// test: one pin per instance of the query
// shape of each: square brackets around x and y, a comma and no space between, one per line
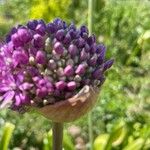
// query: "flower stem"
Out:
[90,26]
[57,136]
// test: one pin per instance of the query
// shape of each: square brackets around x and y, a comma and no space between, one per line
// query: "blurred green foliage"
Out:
[125,137]
[124,26]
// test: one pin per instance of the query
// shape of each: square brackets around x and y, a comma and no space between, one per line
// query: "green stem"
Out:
[90,26]
[57,136]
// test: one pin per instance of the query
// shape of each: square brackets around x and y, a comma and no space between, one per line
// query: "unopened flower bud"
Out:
[60,34]
[51,28]
[69,71]
[93,60]
[58,47]
[108,64]
[101,56]
[97,73]
[32,24]
[67,39]
[72,50]
[42,92]
[84,55]
[61,85]
[16,40]
[24,35]
[40,57]
[38,41]
[80,69]
[71,86]
[40,29]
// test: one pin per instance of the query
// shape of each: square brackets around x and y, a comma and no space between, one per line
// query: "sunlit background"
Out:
[121,118]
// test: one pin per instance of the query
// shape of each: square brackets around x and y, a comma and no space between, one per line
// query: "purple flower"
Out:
[48,61]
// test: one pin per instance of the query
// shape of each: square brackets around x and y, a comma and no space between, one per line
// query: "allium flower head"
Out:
[42,64]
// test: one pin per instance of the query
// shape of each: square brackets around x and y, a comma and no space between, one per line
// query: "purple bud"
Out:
[32,24]
[67,39]
[87,48]
[40,29]
[58,47]
[36,79]
[72,27]
[80,69]
[51,28]
[58,23]
[24,35]
[101,57]
[100,48]
[80,43]
[97,74]
[16,40]
[32,51]
[108,64]
[41,82]
[33,71]
[84,55]
[20,57]
[84,36]
[74,34]
[61,85]
[41,21]
[93,48]
[91,40]
[25,86]
[38,41]
[72,50]
[40,57]
[42,92]
[84,29]
[8,36]
[93,60]
[60,34]
[68,71]
[71,86]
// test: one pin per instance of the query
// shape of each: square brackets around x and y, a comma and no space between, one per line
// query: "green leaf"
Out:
[101,141]
[135,145]
[6,136]
[117,136]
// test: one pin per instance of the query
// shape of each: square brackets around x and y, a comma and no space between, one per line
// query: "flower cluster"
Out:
[43,63]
